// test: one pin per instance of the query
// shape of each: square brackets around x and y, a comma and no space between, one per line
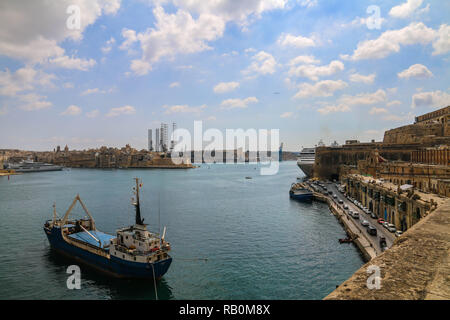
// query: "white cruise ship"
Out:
[305,160]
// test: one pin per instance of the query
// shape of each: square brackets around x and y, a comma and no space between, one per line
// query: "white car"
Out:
[365,223]
[398,233]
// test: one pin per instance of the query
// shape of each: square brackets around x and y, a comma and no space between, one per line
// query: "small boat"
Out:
[248,178]
[346,240]
[301,194]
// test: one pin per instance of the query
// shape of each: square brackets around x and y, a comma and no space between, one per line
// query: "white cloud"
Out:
[24,79]
[32,31]
[140,67]
[130,38]
[90,91]
[356,77]
[303,60]
[358,22]
[241,12]
[308,3]
[405,9]
[224,87]
[108,46]
[127,110]
[333,109]
[376,110]
[72,110]
[32,102]
[174,85]
[391,41]
[364,98]
[431,99]
[286,115]
[314,72]
[177,33]
[73,63]
[238,103]
[415,71]
[295,41]
[408,118]
[323,88]
[442,43]
[394,103]
[263,63]
[183,109]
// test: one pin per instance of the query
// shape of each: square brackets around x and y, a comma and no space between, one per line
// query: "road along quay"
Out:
[369,245]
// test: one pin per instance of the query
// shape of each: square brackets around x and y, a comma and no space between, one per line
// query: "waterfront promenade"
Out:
[368,245]
[416,267]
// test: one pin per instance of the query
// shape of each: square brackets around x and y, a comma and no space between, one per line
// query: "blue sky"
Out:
[313,69]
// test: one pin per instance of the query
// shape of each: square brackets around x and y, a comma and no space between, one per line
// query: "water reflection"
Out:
[114,288]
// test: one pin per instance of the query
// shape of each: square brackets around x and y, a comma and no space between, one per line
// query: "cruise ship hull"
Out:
[110,265]
[307,168]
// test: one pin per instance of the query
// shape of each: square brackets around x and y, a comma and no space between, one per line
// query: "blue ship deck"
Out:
[85,237]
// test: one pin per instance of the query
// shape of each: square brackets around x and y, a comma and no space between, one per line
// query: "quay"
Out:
[367,244]
[403,180]
[4,173]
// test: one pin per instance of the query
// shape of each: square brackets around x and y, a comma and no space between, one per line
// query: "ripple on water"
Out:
[259,244]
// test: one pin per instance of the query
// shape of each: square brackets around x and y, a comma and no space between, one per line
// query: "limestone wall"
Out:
[415,133]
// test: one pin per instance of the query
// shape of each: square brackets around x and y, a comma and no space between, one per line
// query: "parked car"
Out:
[345,207]
[391,227]
[383,242]
[398,233]
[380,220]
[372,215]
[372,230]
[335,196]
[365,223]
[341,201]
[355,215]
[385,224]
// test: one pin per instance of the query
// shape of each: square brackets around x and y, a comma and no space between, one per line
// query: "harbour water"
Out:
[231,237]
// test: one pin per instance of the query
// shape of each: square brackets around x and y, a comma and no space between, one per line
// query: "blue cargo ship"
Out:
[300,194]
[134,252]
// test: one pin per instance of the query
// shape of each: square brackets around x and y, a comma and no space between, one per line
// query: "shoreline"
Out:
[360,239]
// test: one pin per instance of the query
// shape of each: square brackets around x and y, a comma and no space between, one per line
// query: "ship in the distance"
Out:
[31,166]
[306,158]
[134,252]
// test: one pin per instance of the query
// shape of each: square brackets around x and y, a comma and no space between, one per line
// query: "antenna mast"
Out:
[137,205]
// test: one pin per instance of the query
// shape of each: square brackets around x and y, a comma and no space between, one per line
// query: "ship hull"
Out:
[307,168]
[39,169]
[110,265]
[303,197]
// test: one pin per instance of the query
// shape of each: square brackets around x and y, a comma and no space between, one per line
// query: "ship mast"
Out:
[139,220]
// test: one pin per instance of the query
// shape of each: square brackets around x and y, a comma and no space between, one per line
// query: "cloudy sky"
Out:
[314,69]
